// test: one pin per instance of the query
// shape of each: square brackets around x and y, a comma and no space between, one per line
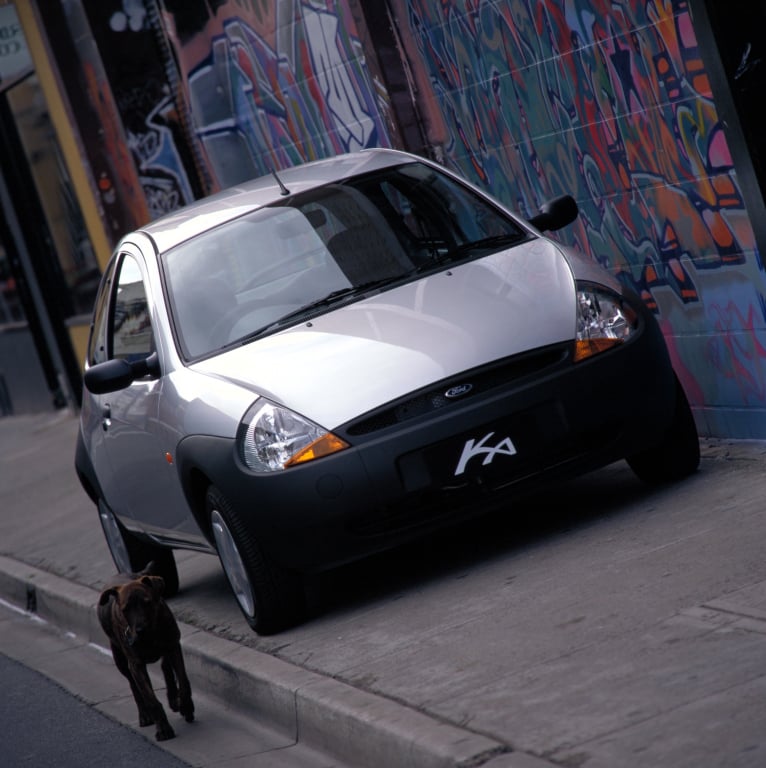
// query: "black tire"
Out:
[132,555]
[677,455]
[271,598]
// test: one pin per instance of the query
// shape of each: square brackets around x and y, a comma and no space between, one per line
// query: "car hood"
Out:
[363,355]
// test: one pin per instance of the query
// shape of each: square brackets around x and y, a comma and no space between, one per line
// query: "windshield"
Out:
[313,251]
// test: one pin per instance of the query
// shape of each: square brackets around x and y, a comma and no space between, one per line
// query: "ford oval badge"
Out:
[458,390]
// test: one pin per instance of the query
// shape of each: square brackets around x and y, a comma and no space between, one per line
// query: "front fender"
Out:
[202,461]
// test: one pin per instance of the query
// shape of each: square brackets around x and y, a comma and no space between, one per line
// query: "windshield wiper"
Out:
[327,300]
[336,295]
[442,257]
[485,243]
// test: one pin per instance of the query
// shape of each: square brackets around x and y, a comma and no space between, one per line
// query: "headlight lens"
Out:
[272,438]
[604,320]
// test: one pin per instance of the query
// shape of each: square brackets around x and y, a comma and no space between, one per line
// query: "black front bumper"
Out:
[414,467]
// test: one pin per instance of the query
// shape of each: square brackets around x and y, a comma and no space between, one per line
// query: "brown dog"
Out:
[142,630]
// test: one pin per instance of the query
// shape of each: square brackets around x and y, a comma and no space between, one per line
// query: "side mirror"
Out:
[555,214]
[119,373]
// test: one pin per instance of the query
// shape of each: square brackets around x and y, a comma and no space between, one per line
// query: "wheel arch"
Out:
[203,460]
[195,489]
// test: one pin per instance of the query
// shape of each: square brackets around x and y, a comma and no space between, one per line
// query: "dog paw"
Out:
[187,710]
[164,733]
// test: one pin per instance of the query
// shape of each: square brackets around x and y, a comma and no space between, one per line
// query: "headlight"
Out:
[272,438]
[604,320]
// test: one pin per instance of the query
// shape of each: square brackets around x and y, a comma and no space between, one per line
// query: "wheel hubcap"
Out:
[232,564]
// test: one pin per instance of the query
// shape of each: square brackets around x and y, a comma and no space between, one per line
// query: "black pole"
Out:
[42,268]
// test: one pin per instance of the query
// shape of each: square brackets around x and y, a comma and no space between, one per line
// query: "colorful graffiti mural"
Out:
[610,101]
[137,74]
[276,84]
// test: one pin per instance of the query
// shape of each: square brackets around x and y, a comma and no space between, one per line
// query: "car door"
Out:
[138,446]
[93,417]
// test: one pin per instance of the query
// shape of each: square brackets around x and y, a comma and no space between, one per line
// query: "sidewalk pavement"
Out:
[53,558]
[53,562]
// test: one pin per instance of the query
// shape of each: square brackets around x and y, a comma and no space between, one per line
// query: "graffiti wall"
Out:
[610,102]
[273,84]
[129,46]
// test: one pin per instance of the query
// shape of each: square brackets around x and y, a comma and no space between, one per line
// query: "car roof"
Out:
[187,222]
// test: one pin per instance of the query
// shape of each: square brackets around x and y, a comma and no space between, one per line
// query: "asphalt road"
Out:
[64,704]
[45,725]
[601,624]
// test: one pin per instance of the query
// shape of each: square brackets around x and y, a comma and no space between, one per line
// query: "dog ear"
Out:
[107,595]
[155,583]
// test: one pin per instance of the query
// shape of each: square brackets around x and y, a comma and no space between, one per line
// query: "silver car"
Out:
[324,363]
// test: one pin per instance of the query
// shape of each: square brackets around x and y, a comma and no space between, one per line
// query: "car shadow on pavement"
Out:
[541,519]
[548,514]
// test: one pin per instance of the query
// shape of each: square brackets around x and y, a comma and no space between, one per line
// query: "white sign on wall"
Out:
[14,54]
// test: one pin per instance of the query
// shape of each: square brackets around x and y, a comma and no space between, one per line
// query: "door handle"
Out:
[106,416]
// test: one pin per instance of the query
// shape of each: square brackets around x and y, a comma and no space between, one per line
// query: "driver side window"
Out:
[132,336]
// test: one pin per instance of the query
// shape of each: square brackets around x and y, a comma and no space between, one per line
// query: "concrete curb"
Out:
[351,725]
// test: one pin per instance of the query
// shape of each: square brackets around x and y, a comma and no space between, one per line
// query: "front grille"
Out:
[442,504]
[482,380]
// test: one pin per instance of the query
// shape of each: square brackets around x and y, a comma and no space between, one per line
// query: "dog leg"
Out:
[151,704]
[121,662]
[174,669]
[170,682]
[144,716]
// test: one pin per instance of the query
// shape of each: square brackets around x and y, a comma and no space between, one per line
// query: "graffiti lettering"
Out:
[257,107]
[9,49]
[10,32]
[530,99]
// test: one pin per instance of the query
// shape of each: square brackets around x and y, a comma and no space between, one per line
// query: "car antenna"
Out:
[285,190]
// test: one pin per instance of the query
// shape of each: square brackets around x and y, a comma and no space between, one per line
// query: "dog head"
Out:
[136,603]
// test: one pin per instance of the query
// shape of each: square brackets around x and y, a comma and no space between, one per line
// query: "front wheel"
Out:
[132,555]
[271,598]
[677,454]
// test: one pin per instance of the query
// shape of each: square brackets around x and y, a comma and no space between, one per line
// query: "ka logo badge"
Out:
[504,447]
